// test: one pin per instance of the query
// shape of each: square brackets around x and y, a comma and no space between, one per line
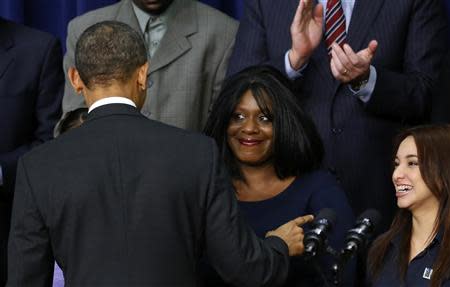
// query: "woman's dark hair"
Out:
[433,151]
[297,147]
[72,119]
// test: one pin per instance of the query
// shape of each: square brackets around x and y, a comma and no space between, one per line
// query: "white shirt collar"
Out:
[111,100]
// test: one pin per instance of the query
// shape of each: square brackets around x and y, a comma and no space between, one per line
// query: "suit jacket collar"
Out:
[364,13]
[125,14]
[112,109]
[6,43]
[175,42]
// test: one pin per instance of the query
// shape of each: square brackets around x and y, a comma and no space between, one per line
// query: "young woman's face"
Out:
[411,191]
[250,132]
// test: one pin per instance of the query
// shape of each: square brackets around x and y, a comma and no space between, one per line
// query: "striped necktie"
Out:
[334,24]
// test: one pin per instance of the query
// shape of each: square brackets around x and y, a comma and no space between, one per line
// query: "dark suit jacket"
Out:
[31,88]
[357,136]
[132,202]
[440,108]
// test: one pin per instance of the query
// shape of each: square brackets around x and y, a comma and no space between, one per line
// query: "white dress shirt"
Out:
[111,100]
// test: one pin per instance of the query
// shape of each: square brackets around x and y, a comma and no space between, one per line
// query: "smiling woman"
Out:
[250,132]
[415,250]
[273,154]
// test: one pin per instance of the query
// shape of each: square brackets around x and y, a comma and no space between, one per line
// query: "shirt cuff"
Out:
[365,93]
[290,72]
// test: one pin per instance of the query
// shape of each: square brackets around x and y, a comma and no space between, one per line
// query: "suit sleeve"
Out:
[251,42]
[406,93]
[30,258]
[71,100]
[440,109]
[232,248]
[47,107]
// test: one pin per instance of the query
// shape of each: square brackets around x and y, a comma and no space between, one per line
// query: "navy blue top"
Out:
[307,194]
[420,269]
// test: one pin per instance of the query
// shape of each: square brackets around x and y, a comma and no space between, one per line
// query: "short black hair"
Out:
[109,51]
[297,147]
[72,119]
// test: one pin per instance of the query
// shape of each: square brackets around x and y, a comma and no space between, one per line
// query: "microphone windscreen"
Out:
[327,214]
[372,215]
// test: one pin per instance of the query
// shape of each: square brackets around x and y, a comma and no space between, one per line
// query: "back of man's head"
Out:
[109,51]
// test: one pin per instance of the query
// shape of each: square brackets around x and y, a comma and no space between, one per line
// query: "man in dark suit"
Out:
[361,93]
[440,108]
[31,89]
[132,201]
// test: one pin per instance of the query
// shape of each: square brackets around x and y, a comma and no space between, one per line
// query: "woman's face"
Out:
[250,132]
[411,191]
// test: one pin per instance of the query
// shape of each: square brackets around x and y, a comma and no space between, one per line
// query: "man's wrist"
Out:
[360,82]
[295,60]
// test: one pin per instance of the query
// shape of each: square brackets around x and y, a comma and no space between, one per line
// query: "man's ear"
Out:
[75,80]
[142,76]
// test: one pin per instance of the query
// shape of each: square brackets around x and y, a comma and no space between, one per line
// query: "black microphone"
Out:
[358,236]
[315,239]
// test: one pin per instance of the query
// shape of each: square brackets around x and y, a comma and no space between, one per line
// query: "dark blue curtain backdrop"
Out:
[53,15]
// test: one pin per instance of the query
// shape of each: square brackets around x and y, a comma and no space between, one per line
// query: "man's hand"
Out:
[348,66]
[306,32]
[292,234]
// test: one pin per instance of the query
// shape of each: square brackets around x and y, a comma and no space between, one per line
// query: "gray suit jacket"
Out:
[186,71]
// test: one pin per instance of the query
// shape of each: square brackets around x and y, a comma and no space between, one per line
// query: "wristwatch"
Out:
[360,82]
[356,86]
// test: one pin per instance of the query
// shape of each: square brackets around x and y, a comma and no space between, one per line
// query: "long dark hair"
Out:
[433,151]
[297,145]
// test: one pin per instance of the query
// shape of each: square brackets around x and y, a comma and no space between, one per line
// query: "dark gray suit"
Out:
[412,39]
[127,201]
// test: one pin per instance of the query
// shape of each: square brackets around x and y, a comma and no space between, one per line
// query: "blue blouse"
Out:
[420,269]
[307,194]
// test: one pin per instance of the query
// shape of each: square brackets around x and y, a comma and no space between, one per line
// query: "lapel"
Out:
[364,13]
[321,60]
[6,43]
[175,42]
[125,14]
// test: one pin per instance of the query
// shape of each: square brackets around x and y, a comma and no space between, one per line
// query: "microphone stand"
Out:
[342,258]
[337,268]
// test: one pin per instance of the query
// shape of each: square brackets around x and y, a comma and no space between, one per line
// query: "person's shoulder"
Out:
[24,34]
[41,153]
[186,137]
[94,16]
[321,178]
